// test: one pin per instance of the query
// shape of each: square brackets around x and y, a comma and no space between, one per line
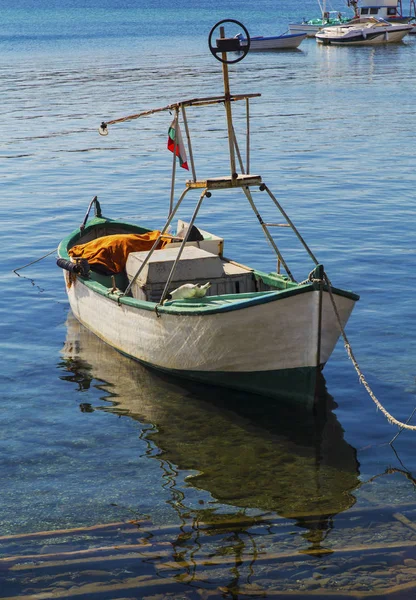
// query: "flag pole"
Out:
[227,103]
[188,138]
[172,185]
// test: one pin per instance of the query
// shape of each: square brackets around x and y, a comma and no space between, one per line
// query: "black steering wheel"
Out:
[229,44]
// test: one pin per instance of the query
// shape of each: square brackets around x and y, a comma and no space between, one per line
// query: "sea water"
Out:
[87,436]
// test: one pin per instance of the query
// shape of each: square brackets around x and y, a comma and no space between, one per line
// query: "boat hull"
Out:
[310,30]
[272,348]
[282,42]
[356,36]
[312,27]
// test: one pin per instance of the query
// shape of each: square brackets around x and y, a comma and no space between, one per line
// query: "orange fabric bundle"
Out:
[109,254]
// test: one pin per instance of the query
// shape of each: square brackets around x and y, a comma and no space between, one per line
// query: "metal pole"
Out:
[302,241]
[153,248]
[227,103]
[182,246]
[248,136]
[237,149]
[175,145]
[247,192]
[188,137]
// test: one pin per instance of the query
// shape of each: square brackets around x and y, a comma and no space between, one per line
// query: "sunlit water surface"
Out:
[87,437]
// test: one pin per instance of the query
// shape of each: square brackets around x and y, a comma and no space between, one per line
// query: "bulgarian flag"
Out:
[175,134]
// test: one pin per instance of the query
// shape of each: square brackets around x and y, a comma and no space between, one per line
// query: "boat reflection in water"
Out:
[248,453]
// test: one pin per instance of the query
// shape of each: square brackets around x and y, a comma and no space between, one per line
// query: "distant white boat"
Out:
[286,41]
[364,32]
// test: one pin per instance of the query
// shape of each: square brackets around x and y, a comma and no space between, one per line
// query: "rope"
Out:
[392,420]
[34,261]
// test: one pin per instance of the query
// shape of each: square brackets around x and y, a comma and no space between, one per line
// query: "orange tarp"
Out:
[109,253]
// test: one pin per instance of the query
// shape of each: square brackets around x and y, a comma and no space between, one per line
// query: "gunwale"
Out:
[192,306]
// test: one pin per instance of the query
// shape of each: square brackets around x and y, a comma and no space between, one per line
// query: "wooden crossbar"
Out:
[184,103]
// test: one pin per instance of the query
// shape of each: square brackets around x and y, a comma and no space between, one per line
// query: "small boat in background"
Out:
[327,19]
[364,32]
[390,10]
[285,41]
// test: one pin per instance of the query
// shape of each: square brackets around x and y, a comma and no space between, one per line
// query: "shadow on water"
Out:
[247,452]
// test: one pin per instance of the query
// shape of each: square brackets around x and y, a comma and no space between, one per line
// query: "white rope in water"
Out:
[392,420]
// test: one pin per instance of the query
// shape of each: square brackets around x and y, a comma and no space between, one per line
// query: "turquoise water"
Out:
[86,436]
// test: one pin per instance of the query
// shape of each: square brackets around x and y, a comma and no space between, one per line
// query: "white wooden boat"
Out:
[364,32]
[255,331]
[286,41]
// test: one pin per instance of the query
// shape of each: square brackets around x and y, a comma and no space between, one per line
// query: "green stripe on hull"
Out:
[290,386]
[287,385]
[281,286]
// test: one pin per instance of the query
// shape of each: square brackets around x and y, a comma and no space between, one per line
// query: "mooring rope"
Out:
[392,420]
[34,261]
